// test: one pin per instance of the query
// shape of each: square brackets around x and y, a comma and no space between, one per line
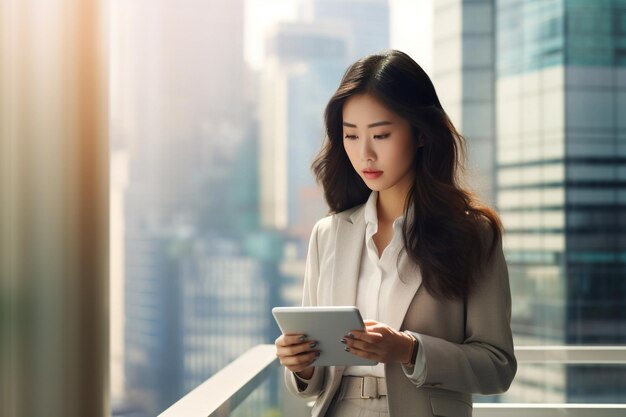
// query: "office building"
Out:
[365,21]
[178,105]
[463,75]
[304,64]
[557,174]
[561,145]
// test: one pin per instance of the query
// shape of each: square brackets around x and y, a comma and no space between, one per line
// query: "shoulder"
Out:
[485,222]
[327,226]
[351,215]
[489,232]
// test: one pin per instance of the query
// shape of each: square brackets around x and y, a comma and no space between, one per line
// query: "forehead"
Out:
[365,107]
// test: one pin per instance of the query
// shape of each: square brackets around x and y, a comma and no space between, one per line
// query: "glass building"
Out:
[367,22]
[176,111]
[224,307]
[151,325]
[304,63]
[561,143]
[538,89]
[463,75]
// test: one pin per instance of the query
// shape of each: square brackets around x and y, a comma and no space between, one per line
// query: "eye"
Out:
[350,137]
[384,136]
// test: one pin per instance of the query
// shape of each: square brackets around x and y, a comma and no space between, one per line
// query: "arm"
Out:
[485,362]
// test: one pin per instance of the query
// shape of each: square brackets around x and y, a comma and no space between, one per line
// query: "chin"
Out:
[375,187]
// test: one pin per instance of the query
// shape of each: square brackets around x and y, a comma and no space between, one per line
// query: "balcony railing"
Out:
[222,393]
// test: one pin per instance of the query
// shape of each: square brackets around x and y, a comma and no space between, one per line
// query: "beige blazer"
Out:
[467,345]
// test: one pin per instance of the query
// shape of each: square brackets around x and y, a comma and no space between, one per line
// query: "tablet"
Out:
[326,325]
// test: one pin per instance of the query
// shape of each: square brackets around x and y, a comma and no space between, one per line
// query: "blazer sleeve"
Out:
[295,385]
[485,362]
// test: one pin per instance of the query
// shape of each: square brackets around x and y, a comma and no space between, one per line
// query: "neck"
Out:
[390,204]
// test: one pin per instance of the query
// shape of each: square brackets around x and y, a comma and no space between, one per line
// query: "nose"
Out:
[367,152]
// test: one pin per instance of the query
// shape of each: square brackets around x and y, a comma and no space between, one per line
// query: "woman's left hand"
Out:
[380,342]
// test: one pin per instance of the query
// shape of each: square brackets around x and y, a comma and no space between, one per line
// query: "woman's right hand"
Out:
[297,354]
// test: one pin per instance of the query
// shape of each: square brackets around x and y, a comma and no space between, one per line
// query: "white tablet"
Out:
[326,325]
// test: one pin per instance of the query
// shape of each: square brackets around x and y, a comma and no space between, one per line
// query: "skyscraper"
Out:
[365,21]
[560,176]
[179,106]
[558,169]
[464,65]
[303,66]
[224,309]
[306,60]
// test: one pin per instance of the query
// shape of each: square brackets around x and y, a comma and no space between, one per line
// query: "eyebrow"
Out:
[383,123]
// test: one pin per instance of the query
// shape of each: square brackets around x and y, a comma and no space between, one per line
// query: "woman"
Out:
[415,252]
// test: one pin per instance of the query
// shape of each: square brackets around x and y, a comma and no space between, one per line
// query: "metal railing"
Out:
[222,393]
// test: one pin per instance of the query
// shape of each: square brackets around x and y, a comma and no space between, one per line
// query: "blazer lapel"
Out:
[332,385]
[350,237]
[403,290]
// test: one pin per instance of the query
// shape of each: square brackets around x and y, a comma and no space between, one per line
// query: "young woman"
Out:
[414,251]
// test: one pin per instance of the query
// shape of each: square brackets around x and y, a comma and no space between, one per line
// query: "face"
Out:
[379,144]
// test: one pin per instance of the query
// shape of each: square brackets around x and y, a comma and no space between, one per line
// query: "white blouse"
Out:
[376,276]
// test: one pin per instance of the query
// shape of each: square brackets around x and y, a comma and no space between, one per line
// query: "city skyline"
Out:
[225,168]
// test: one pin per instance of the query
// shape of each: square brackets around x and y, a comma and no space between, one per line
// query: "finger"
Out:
[362,353]
[303,359]
[291,350]
[291,339]
[376,327]
[370,337]
[362,345]
[370,322]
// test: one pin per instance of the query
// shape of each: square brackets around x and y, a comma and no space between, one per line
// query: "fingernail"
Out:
[343,340]
[317,353]
[347,349]
[302,338]
[350,335]
[312,345]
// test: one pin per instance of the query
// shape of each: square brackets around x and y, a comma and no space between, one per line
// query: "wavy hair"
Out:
[444,228]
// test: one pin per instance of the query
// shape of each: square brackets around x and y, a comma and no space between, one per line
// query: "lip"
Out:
[372,174]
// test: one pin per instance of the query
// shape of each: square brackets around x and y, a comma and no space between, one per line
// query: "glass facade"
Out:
[304,63]
[463,76]
[367,21]
[560,155]
[596,33]
[531,35]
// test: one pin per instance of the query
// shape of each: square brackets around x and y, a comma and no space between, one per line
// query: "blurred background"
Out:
[216,114]
[162,150]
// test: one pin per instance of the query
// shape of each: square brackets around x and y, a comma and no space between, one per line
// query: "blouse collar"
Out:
[371,212]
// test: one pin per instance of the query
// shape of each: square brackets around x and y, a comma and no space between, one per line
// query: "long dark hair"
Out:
[445,225]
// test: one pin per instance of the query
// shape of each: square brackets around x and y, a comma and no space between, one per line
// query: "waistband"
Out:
[363,387]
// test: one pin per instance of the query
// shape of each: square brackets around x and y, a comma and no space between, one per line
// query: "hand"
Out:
[380,342]
[297,353]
